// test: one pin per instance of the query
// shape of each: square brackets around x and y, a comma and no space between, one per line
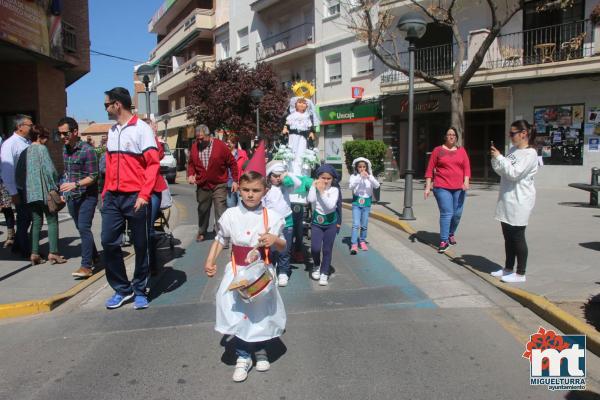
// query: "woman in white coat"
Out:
[516,198]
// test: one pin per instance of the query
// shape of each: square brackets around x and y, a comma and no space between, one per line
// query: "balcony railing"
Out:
[283,42]
[69,38]
[192,64]
[549,44]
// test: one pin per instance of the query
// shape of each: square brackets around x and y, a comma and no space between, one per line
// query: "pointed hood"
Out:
[257,163]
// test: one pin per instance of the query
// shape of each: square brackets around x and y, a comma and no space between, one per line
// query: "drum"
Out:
[252,281]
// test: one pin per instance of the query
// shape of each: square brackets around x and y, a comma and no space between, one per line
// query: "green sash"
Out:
[289,221]
[327,219]
[361,201]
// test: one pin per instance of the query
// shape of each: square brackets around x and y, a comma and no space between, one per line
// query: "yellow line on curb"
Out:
[540,305]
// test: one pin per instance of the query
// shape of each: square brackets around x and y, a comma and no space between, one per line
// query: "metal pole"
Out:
[147,101]
[407,213]
[257,124]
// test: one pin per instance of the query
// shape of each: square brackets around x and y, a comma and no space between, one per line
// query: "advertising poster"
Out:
[578,116]
[565,117]
[333,144]
[593,118]
[589,129]
[594,145]
[560,131]
[25,24]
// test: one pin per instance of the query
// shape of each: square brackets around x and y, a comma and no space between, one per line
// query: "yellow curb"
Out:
[540,305]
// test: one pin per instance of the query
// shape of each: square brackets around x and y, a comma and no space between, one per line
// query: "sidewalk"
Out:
[563,238]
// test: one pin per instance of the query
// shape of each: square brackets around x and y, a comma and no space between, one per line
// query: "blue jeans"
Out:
[450,202]
[282,259]
[155,209]
[82,211]
[298,231]
[118,208]
[232,198]
[360,220]
[245,349]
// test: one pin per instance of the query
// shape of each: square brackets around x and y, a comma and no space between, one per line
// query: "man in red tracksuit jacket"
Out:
[132,166]
[208,165]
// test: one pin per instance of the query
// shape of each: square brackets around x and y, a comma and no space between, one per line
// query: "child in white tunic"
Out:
[300,125]
[247,226]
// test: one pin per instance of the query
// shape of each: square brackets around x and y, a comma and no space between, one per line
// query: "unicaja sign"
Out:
[556,361]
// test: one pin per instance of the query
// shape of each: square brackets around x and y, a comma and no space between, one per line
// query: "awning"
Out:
[350,113]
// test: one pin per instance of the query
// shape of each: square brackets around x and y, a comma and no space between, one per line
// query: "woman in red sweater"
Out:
[450,171]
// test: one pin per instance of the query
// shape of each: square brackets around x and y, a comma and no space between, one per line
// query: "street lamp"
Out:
[257,96]
[413,26]
[145,73]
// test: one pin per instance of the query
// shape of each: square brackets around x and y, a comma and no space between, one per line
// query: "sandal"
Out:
[56,259]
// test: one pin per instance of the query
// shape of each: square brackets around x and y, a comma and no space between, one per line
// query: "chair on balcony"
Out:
[573,45]
[511,57]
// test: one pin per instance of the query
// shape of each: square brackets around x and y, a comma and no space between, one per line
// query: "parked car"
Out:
[168,165]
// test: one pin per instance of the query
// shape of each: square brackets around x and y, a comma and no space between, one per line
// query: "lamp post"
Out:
[145,73]
[413,26]
[257,96]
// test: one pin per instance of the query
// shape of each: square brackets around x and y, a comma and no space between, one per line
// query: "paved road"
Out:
[394,323]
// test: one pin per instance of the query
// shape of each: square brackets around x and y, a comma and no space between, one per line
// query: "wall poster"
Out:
[560,133]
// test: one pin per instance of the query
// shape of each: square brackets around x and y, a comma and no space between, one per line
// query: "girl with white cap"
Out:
[362,183]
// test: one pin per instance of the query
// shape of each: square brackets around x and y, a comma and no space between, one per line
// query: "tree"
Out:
[220,98]
[377,28]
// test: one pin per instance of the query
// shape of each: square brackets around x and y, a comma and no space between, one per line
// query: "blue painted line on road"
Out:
[373,269]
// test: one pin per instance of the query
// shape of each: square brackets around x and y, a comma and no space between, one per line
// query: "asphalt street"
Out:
[396,322]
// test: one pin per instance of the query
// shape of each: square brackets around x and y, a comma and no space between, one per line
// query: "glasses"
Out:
[513,133]
[29,125]
[65,134]
[106,105]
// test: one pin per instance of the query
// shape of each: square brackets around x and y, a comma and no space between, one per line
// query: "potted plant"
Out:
[595,19]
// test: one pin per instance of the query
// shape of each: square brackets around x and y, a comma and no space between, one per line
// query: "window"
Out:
[182,102]
[242,39]
[334,68]
[173,105]
[363,61]
[225,49]
[332,7]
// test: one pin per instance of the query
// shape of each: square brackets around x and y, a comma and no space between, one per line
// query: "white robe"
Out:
[265,317]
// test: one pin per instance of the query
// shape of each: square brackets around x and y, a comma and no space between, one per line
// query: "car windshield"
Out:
[167,149]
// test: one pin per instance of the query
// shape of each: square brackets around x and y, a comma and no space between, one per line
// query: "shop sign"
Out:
[357,92]
[350,113]
[432,104]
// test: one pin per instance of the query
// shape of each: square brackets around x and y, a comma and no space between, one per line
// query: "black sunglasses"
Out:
[106,105]
[67,133]
[513,133]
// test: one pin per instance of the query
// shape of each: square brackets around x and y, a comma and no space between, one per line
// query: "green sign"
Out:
[351,113]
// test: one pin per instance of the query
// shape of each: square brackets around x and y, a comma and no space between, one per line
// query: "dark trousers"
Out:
[22,243]
[155,209]
[9,217]
[82,211]
[515,247]
[282,258]
[298,231]
[206,198]
[118,208]
[322,238]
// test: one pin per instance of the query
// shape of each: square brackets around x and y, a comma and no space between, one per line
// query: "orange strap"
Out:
[266,225]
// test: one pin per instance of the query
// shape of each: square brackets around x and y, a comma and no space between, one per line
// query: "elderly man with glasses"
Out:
[80,189]
[9,155]
[209,165]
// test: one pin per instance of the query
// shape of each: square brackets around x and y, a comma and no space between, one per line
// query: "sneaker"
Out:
[242,366]
[451,240]
[353,249]
[82,272]
[316,274]
[140,302]
[282,280]
[513,278]
[324,280]
[363,246]
[443,247]
[263,365]
[501,272]
[117,300]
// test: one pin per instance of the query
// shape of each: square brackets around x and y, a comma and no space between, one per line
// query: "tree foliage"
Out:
[220,98]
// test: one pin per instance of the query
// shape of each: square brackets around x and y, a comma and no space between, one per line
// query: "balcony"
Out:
[174,119]
[260,5]
[178,78]
[200,23]
[294,42]
[541,52]
[69,38]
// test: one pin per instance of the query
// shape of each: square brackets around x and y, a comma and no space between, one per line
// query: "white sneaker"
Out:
[513,278]
[316,274]
[323,280]
[282,280]
[501,272]
[262,365]
[242,367]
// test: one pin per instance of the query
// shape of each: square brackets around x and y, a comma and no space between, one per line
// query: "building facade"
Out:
[44,48]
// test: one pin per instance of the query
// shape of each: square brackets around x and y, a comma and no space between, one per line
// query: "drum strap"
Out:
[266,249]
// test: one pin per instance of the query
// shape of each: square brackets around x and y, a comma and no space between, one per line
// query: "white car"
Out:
[168,165]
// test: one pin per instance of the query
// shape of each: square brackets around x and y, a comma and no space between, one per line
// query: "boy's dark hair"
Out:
[69,121]
[253,176]
[121,95]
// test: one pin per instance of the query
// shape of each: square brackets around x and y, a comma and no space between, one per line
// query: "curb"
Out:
[536,303]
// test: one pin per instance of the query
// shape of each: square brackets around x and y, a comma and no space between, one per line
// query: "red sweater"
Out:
[160,180]
[448,168]
[221,160]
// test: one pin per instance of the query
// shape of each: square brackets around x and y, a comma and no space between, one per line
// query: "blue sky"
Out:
[118,27]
